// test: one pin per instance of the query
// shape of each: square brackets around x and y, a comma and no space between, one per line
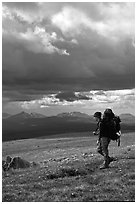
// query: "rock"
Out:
[18,162]
[8,159]
[4,165]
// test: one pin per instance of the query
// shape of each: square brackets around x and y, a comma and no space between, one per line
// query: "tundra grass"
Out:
[71,173]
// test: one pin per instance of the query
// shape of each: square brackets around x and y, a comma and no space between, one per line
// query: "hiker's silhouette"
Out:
[108,128]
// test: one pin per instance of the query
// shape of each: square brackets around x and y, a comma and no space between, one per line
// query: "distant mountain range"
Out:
[5,115]
[74,114]
[28,125]
[24,115]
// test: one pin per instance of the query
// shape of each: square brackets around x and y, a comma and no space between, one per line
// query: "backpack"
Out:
[112,124]
[117,122]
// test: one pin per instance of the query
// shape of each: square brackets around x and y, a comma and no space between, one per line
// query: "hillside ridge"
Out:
[26,115]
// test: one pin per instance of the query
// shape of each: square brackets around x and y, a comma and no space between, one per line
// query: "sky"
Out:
[64,57]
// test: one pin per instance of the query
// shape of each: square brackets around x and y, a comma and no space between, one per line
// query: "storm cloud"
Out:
[66,48]
[71,96]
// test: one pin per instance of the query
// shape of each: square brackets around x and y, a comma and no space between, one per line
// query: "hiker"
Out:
[97,116]
[105,134]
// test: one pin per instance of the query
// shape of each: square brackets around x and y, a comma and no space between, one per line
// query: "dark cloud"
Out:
[71,96]
[21,95]
[94,62]
[31,6]
[83,70]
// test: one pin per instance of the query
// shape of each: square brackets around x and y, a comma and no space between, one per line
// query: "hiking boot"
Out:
[105,165]
[111,159]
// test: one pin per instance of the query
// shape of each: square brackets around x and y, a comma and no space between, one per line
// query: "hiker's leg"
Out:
[104,143]
[99,148]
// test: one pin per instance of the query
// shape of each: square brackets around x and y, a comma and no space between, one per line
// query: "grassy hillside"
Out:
[68,170]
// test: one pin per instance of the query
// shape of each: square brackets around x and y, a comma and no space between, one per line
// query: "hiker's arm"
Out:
[96,132]
[101,130]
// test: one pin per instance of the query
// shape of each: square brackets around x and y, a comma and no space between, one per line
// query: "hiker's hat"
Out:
[97,114]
